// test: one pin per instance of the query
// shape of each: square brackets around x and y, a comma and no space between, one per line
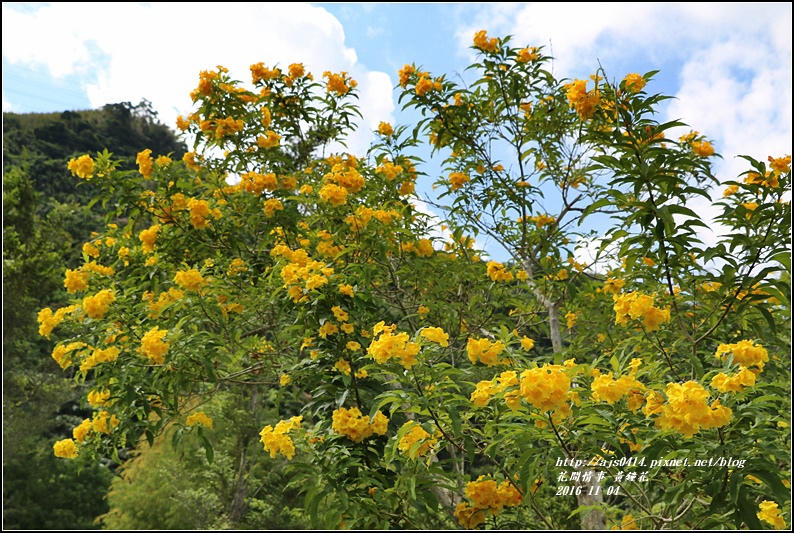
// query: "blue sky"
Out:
[728,65]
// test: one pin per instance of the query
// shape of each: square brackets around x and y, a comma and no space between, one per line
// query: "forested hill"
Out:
[46,219]
[46,141]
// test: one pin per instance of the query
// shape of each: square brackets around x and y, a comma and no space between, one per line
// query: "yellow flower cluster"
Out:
[613,286]
[82,167]
[636,305]
[96,268]
[385,129]
[357,427]
[735,383]
[200,418]
[628,522]
[546,388]
[745,353]
[65,448]
[333,194]
[340,83]
[485,351]
[485,390]
[497,272]
[164,299]
[148,238]
[342,366]
[98,398]
[687,410]
[90,249]
[389,170]
[107,355]
[527,343]
[256,183]
[770,513]
[606,388]
[436,335]
[301,272]
[781,165]
[200,212]
[485,44]
[97,305]
[49,320]
[425,84]
[153,346]
[543,220]
[458,180]
[272,205]
[416,442]
[633,82]
[81,432]
[525,55]
[61,353]
[104,422]
[405,74]
[585,103]
[277,440]
[145,163]
[389,345]
[487,498]
[190,280]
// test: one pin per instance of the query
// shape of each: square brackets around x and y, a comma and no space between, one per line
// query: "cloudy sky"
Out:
[727,64]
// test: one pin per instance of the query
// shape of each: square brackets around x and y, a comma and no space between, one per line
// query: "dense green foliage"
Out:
[46,218]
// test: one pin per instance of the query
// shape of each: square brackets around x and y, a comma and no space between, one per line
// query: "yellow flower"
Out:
[103,422]
[190,280]
[745,353]
[469,517]
[457,180]
[96,306]
[436,335]
[90,249]
[385,129]
[200,418]
[633,82]
[770,513]
[82,167]
[405,74]
[333,194]
[343,366]
[702,148]
[277,440]
[148,237]
[65,448]
[284,380]
[153,346]
[482,42]
[75,281]
[81,431]
[485,351]
[145,163]
[416,442]
[496,271]
[357,427]
[424,248]
[525,55]
[614,286]
[570,318]
[98,398]
[527,343]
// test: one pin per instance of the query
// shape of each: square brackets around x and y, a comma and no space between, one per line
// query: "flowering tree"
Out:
[265,264]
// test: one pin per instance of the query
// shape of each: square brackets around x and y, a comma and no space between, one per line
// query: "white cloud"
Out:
[6,104]
[131,51]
